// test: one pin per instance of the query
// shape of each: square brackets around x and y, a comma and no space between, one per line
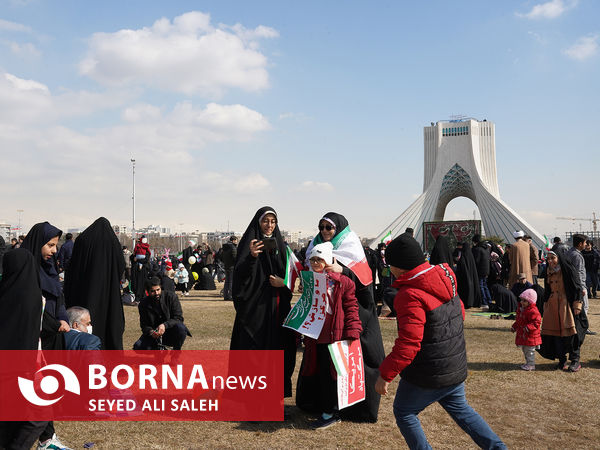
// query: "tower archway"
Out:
[460,161]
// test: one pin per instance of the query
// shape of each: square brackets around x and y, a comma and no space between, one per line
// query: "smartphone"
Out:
[269,243]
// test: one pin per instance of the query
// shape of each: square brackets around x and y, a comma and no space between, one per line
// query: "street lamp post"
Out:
[133,201]
[20,211]
[181,237]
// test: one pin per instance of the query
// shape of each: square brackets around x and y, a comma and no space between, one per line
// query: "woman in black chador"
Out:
[467,281]
[41,241]
[350,260]
[441,252]
[20,319]
[93,281]
[260,297]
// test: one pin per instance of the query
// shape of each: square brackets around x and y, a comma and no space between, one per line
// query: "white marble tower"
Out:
[460,161]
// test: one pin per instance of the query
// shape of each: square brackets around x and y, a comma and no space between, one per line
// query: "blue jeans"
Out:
[486,297]
[411,400]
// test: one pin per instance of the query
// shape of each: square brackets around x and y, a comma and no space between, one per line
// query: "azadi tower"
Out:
[460,161]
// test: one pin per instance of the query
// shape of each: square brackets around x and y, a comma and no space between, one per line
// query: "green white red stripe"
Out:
[348,250]
[292,268]
[387,238]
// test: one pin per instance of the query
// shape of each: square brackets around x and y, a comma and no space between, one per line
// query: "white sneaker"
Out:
[52,444]
[187,294]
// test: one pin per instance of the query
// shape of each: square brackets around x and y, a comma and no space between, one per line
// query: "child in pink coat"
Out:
[527,327]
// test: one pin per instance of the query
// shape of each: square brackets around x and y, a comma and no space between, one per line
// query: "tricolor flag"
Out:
[387,238]
[292,269]
[348,250]
[547,243]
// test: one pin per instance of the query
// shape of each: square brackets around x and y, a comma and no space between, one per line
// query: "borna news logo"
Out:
[49,385]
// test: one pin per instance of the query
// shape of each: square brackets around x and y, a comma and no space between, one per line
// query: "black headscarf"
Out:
[93,279]
[441,252]
[20,302]
[36,238]
[340,221]
[466,278]
[275,263]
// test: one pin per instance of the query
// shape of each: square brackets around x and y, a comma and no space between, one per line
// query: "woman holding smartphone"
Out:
[260,296]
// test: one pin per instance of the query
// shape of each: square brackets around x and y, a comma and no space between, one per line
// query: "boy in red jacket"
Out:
[429,353]
[527,327]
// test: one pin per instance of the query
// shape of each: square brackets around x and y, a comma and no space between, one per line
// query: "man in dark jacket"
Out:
[65,252]
[161,318]
[228,257]
[429,353]
[481,254]
[591,258]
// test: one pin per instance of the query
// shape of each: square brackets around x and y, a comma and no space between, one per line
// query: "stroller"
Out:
[220,271]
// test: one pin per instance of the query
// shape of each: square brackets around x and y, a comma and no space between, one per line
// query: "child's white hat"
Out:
[323,251]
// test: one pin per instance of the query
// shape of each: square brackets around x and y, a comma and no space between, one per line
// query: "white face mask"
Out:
[89,329]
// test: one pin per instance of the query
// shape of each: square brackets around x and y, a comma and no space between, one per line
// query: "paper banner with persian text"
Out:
[308,314]
[348,360]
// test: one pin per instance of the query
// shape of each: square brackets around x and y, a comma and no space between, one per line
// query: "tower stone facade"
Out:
[460,161]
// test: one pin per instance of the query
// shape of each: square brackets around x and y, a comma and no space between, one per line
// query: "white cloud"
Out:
[584,48]
[29,101]
[250,183]
[21,84]
[141,112]
[549,10]
[315,186]
[186,55]
[6,25]
[91,166]
[26,49]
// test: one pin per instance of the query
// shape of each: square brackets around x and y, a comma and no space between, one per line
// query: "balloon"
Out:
[192,260]
[195,275]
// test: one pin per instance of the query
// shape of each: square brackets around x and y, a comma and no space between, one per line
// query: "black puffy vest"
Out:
[442,360]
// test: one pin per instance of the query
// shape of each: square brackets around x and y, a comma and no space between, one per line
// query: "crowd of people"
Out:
[55,294]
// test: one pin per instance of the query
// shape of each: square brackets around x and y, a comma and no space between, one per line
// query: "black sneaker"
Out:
[590,332]
[562,365]
[321,424]
[574,366]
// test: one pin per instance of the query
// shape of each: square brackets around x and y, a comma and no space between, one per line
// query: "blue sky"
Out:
[306,106]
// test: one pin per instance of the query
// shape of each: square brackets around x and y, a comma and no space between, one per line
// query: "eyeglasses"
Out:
[326,227]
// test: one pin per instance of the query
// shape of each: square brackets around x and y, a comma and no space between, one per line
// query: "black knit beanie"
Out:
[404,252]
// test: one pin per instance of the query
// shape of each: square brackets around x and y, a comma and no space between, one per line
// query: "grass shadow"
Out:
[505,330]
[497,366]
[299,421]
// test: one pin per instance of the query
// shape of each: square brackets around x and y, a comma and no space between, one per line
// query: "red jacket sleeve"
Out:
[352,323]
[411,323]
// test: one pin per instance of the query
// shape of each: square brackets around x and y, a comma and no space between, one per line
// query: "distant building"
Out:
[5,231]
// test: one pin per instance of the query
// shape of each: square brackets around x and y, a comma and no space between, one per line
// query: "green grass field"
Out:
[529,410]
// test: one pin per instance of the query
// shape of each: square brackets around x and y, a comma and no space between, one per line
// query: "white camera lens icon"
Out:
[49,385]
